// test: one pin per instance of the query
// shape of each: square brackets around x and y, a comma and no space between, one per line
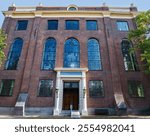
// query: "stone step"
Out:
[75,114]
[66,113]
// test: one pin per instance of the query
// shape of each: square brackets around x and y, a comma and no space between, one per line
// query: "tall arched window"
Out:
[72,53]
[14,54]
[129,58]
[49,54]
[94,60]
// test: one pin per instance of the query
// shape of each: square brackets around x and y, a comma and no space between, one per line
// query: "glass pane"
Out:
[49,54]
[52,24]
[72,25]
[94,55]
[129,57]
[45,88]
[94,61]
[135,89]
[71,85]
[67,85]
[72,8]
[96,89]
[47,65]
[22,25]
[72,53]
[91,25]
[94,65]
[7,86]
[14,54]
[75,85]
[122,26]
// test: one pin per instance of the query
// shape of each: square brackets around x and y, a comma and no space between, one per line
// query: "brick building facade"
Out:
[89,67]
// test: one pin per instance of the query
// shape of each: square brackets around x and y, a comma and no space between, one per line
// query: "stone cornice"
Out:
[65,13]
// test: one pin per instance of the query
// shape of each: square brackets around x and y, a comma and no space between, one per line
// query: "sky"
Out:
[142,5]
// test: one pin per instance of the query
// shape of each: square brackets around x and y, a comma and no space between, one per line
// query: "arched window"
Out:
[129,58]
[72,8]
[94,60]
[14,54]
[72,53]
[49,54]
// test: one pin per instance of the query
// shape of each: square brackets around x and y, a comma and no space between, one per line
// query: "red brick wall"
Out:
[130,75]
[29,71]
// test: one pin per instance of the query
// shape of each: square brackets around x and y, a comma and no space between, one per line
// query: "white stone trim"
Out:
[60,79]
[63,13]
[71,69]
[115,17]
[25,8]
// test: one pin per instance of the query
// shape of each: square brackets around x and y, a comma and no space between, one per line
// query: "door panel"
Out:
[71,96]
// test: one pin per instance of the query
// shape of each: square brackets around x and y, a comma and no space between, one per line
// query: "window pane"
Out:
[45,88]
[91,25]
[94,61]
[6,87]
[72,8]
[49,54]
[71,85]
[14,54]
[52,24]
[48,65]
[72,25]
[72,53]
[135,89]
[129,57]
[122,26]
[96,89]
[94,65]
[22,25]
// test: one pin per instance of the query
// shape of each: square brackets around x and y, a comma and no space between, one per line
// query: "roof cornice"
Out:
[111,14]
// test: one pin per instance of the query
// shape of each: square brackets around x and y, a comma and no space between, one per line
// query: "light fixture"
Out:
[56,90]
[84,92]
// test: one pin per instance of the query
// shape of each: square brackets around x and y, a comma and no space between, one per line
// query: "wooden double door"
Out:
[71,96]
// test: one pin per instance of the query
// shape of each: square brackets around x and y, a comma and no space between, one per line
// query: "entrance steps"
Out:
[66,113]
[75,114]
